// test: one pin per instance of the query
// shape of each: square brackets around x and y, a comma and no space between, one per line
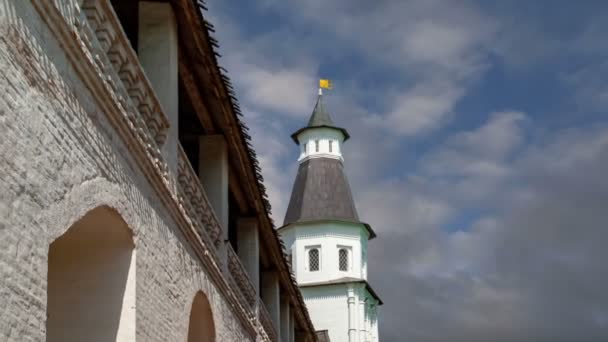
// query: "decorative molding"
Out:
[266,324]
[125,63]
[315,235]
[193,200]
[323,297]
[240,278]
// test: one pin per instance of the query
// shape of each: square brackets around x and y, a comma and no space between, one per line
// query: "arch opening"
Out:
[201,327]
[91,281]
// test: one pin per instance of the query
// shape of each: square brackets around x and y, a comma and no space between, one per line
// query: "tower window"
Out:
[313,260]
[305,148]
[331,146]
[343,259]
[316,145]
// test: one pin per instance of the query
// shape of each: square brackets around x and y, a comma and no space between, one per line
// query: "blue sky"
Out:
[479,150]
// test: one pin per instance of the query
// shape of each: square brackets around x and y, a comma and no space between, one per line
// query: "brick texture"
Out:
[59,159]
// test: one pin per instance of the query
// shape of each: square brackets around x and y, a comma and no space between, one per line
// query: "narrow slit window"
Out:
[316,145]
[331,146]
[313,260]
[343,259]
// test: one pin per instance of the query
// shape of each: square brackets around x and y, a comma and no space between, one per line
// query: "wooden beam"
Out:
[237,192]
[193,92]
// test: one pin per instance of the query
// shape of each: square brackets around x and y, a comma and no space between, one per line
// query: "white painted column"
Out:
[352,315]
[285,316]
[158,54]
[271,297]
[249,249]
[213,173]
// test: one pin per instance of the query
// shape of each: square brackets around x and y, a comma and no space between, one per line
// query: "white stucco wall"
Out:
[329,237]
[308,138]
[328,308]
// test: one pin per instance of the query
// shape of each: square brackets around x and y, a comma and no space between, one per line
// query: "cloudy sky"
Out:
[479,150]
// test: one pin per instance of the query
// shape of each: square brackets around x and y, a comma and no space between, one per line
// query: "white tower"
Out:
[325,238]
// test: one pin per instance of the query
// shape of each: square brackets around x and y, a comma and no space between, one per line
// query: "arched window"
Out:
[316,145]
[331,146]
[313,260]
[343,259]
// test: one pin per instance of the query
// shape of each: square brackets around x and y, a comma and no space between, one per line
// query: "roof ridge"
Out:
[320,116]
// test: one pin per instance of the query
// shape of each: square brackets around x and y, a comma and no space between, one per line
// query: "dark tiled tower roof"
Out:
[319,118]
[321,192]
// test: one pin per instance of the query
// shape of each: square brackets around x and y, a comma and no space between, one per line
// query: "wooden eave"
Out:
[210,89]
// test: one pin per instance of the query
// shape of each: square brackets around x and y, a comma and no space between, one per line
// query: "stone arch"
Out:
[58,217]
[201,327]
[91,280]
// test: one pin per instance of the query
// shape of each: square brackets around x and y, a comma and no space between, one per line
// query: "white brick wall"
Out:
[60,158]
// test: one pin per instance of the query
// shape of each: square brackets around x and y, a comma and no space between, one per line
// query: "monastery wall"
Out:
[62,158]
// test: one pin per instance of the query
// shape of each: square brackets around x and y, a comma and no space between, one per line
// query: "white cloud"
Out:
[440,53]
[421,109]
[284,91]
[483,151]
[532,271]
[269,73]
[589,85]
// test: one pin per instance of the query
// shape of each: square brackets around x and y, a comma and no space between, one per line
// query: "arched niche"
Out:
[91,281]
[201,327]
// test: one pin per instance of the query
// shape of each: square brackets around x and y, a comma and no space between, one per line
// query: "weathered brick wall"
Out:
[59,158]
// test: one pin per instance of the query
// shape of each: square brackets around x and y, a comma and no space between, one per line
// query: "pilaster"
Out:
[362,327]
[352,314]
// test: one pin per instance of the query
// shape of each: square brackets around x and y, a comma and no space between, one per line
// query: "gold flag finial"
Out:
[325,84]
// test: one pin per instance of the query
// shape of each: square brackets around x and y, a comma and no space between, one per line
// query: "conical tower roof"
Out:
[319,118]
[321,190]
